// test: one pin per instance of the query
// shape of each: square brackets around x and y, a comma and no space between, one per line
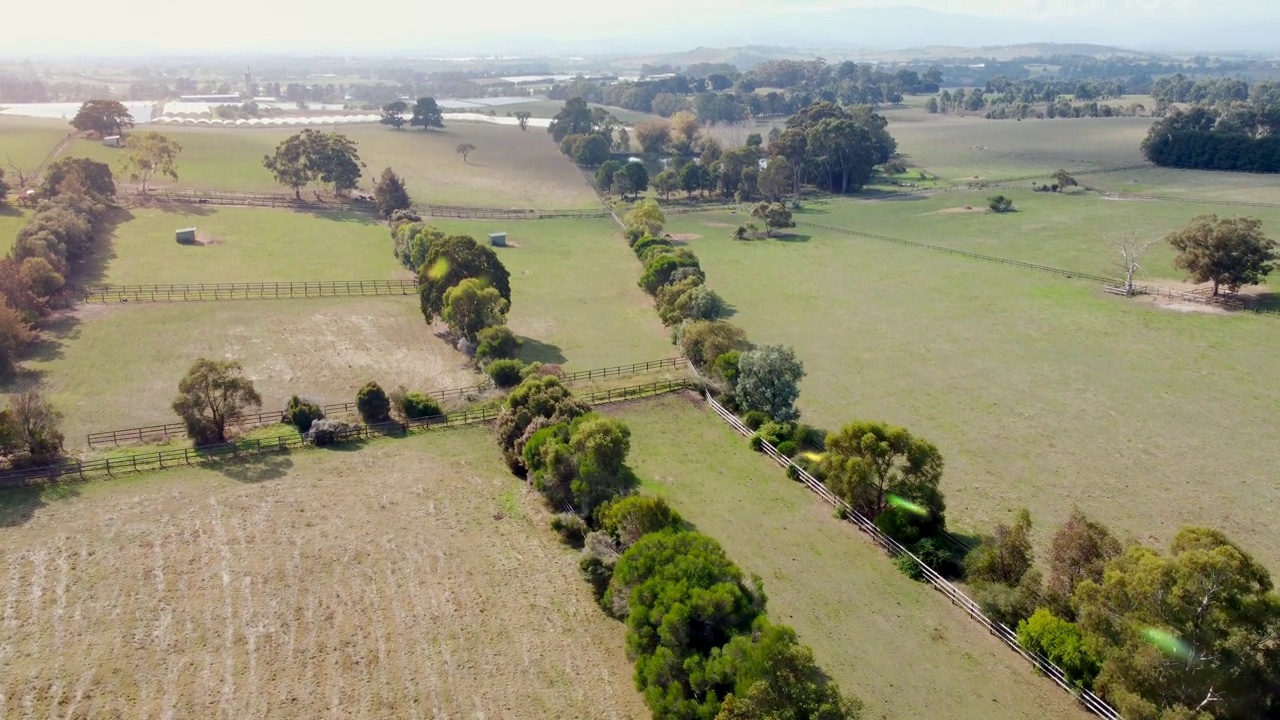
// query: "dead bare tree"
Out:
[24,178]
[1131,251]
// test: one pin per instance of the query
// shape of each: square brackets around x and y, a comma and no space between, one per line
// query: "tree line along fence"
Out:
[288,290]
[962,253]
[1087,699]
[167,431]
[107,468]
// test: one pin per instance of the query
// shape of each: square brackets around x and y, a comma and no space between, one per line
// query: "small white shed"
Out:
[498,239]
[114,141]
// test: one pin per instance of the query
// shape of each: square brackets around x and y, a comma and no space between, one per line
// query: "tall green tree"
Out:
[1079,551]
[289,163]
[573,119]
[844,151]
[471,306]
[426,114]
[389,193]
[776,179]
[1005,557]
[393,113]
[83,174]
[635,177]
[1230,252]
[523,117]
[450,261]
[865,462]
[1191,634]
[211,396]
[769,381]
[150,153]
[774,215]
[102,117]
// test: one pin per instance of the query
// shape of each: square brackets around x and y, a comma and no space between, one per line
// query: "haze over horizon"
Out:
[563,27]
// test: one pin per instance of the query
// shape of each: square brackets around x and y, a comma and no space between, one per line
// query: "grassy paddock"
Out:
[961,149]
[12,219]
[1075,231]
[509,168]
[894,642]
[249,245]
[27,141]
[118,366]
[574,293]
[1040,392]
[416,579]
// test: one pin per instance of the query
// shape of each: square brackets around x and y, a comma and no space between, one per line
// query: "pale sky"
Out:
[136,26]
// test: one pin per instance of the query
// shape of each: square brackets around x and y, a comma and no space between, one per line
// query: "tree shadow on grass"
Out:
[18,505]
[255,468]
[537,351]
[55,331]
[342,216]
[7,210]
[183,209]
[792,237]
[1268,301]
[727,312]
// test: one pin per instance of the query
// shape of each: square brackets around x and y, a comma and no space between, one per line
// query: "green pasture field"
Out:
[509,168]
[411,577]
[573,292]
[1074,231]
[892,641]
[1040,391]
[245,244]
[965,149]
[27,141]
[118,366]
[12,219]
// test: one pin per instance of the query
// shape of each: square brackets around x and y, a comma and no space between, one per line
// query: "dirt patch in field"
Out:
[1187,307]
[720,224]
[374,583]
[964,209]
[683,237]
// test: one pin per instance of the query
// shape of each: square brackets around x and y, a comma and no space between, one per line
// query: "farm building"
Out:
[498,239]
[114,141]
[185,236]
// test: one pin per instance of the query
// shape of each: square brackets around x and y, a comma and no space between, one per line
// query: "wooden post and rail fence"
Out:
[166,431]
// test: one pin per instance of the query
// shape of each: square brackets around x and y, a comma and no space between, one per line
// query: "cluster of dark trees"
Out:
[1036,98]
[426,114]
[587,135]
[30,432]
[461,282]
[1242,137]
[60,238]
[316,157]
[1178,88]
[696,628]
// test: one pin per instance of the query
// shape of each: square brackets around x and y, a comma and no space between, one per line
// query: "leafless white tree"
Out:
[1131,251]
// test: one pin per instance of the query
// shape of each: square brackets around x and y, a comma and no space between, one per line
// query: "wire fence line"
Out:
[286,290]
[107,468]
[963,253]
[1090,701]
[166,431]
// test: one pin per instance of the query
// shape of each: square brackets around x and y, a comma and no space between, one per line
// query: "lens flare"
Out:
[906,505]
[1167,643]
[812,456]
[438,269]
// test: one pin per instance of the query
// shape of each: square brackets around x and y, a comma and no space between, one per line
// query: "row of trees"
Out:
[312,156]
[462,282]
[214,396]
[697,631]
[60,238]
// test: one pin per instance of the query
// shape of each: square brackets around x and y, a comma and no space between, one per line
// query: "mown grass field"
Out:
[509,168]
[413,578]
[118,366]
[889,640]
[244,244]
[26,141]
[1040,391]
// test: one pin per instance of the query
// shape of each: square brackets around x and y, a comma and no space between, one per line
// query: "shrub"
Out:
[897,524]
[909,567]
[373,404]
[1009,604]
[768,380]
[497,343]
[1000,204]
[754,419]
[705,340]
[787,447]
[658,270]
[329,432]
[302,413]
[756,442]
[505,373]
[633,233]
[776,432]
[1062,642]
[704,304]
[630,518]
[646,242]
[597,573]
[572,528]
[14,337]
[416,406]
